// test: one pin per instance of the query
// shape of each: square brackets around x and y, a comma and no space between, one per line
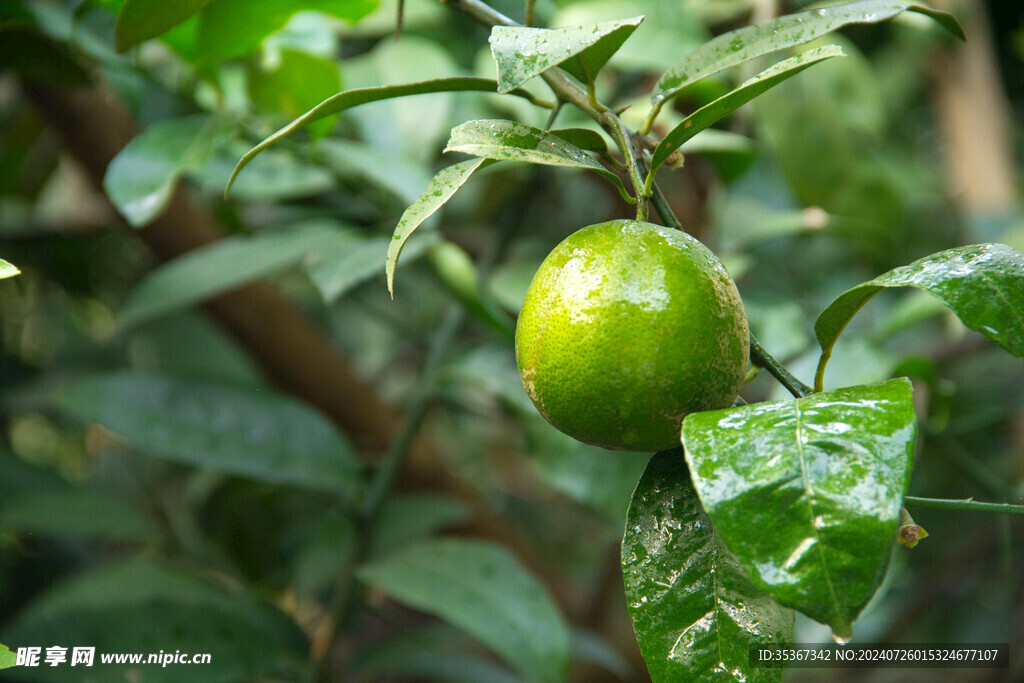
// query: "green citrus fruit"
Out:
[626,328]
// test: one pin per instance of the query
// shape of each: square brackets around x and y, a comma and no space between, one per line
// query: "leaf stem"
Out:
[759,356]
[967,505]
[529,12]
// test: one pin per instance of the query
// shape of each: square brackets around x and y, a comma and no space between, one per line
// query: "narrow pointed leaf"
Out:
[742,45]
[807,493]
[351,98]
[694,611]
[510,141]
[983,284]
[483,590]
[211,270]
[444,184]
[730,102]
[7,270]
[141,20]
[521,52]
[257,434]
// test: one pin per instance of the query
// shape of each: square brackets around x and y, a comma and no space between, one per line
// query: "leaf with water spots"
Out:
[730,102]
[742,45]
[983,284]
[521,52]
[503,140]
[442,186]
[807,493]
[695,612]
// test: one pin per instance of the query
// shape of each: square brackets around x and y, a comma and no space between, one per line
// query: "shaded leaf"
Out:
[983,284]
[223,265]
[405,519]
[522,52]
[510,141]
[354,259]
[143,606]
[77,513]
[351,98]
[442,186]
[807,493]
[141,178]
[262,435]
[730,102]
[584,138]
[141,20]
[482,589]
[694,611]
[36,57]
[742,45]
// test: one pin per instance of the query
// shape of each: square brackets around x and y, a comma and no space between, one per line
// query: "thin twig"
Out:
[967,505]
[759,356]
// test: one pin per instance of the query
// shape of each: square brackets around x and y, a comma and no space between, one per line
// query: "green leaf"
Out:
[77,513]
[262,435]
[351,98]
[141,178]
[742,45]
[983,284]
[232,28]
[510,141]
[444,184]
[727,104]
[522,52]
[223,265]
[141,20]
[296,82]
[354,259]
[694,611]
[144,606]
[7,657]
[8,270]
[584,138]
[405,519]
[482,589]
[807,493]
[36,57]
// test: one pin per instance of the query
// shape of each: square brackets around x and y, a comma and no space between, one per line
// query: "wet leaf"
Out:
[522,52]
[742,45]
[257,434]
[983,284]
[211,270]
[351,98]
[730,102]
[482,589]
[510,141]
[444,184]
[141,20]
[694,611]
[807,493]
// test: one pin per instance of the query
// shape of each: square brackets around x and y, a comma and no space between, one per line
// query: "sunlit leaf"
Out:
[522,52]
[742,45]
[7,657]
[807,493]
[727,104]
[511,141]
[223,265]
[694,611]
[983,284]
[257,434]
[7,270]
[482,589]
[141,20]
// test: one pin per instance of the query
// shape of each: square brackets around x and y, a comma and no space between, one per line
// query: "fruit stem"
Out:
[759,356]
[967,505]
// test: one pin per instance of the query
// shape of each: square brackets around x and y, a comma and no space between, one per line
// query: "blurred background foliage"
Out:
[168,537]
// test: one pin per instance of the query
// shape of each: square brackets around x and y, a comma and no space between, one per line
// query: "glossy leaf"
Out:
[351,98]
[7,270]
[510,141]
[523,52]
[727,104]
[482,589]
[742,45]
[142,177]
[223,265]
[694,611]
[76,513]
[232,28]
[807,493]
[444,184]
[983,284]
[141,605]
[256,434]
[141,20]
